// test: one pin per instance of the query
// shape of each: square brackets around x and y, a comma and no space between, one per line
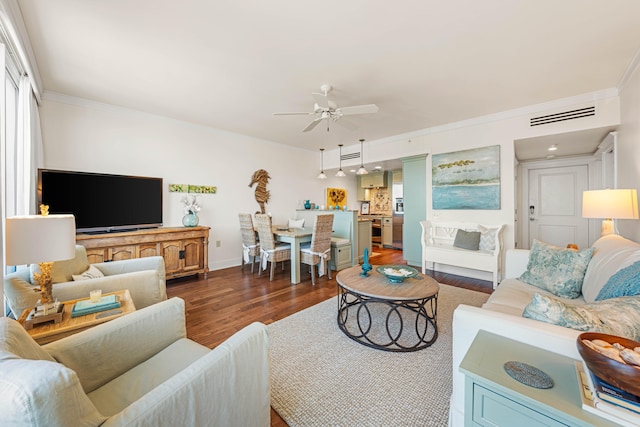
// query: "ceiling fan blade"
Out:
[357,109]
[313,124]
[321,99]
[293,114]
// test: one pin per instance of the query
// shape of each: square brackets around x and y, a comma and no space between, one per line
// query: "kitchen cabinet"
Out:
[387,232]
[373,179]
[184,249]
[362,194]
[364,238]
[414,173]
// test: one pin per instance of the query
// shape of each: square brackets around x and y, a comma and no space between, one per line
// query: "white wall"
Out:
[628,147]
[87,136]
[500,129]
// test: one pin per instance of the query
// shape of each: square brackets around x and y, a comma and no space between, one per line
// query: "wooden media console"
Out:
[185,249]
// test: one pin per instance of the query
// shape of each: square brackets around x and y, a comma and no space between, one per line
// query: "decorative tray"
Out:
[397,273]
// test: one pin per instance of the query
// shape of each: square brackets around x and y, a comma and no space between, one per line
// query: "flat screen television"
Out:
[102,202]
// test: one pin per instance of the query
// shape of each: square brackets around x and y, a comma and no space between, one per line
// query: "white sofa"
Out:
[144,277]
[502,313]
[136,370]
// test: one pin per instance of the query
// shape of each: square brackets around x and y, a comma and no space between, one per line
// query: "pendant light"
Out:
[362,170]
[341,172]
[322,174]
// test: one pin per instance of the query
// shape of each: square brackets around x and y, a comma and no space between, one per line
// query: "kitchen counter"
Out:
[375,216]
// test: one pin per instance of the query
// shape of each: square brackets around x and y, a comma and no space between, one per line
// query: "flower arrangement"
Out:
[191,205]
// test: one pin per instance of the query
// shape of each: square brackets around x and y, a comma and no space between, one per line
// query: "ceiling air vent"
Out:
[565,115]
[350,156]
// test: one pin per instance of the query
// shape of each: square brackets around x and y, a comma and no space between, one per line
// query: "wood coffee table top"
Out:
[378,286]
[44,333]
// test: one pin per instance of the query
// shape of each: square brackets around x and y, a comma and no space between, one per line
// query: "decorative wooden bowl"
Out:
[625,377]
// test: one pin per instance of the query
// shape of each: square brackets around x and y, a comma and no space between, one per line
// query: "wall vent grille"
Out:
[566,115]
[350,156]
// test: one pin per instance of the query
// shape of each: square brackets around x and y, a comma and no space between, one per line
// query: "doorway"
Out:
[552,204]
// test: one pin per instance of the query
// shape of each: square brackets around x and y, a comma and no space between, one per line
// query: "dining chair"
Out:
[250,245]
[318,252]
[270,251]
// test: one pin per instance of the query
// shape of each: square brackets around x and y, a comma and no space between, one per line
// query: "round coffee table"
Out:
[387,316]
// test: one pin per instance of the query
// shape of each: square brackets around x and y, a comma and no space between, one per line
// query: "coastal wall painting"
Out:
[467,179]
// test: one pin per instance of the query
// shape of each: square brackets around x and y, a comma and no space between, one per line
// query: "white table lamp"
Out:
[40,239]
[610,205]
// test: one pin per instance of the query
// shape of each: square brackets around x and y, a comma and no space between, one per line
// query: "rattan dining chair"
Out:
[270,251]
[250,245]
[318,252]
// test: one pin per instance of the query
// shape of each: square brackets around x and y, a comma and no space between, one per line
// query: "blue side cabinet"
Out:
[493,398]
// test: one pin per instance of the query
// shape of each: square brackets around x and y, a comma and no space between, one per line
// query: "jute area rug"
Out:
[320,377]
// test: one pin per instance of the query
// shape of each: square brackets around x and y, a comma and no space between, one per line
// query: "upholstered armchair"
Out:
[136,370]
[72,279]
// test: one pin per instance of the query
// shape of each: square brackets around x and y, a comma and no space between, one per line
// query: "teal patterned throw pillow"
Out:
[615,316]
[557,270]
[625,283]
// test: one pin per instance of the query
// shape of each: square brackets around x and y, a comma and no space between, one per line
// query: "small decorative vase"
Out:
[307,205]
[190,220]
[366,267]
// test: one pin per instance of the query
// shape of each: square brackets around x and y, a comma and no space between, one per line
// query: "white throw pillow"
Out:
[487,238]
[91,273]
[296,223]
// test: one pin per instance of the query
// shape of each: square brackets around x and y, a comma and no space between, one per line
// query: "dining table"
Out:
[293,236]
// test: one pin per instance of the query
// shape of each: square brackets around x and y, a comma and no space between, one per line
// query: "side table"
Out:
[48,332]
[493,398]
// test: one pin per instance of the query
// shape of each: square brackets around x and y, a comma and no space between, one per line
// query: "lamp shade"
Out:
[40,238]
[613,204]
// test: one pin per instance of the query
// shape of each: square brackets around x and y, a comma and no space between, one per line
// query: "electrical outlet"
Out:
[218,243]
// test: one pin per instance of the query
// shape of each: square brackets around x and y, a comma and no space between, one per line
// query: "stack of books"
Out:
[605,400]
[85,306]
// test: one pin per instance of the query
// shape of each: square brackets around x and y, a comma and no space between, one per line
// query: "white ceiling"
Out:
[231,64]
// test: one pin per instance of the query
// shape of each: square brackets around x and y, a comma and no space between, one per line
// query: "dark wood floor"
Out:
[232,298]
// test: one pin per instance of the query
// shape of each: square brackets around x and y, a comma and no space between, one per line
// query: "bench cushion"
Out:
[467,240]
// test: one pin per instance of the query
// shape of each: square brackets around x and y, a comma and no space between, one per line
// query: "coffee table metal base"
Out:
[420,315]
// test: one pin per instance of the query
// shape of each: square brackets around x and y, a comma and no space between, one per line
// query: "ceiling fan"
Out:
[324,108]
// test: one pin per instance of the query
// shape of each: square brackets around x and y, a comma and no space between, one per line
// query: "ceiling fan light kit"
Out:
[326,109]
[341,172]
[322,174]
[361,170]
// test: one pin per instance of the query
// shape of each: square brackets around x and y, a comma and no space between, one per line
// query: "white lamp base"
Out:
[608,227]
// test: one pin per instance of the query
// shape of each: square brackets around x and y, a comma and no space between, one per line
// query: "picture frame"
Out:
[467,179]
[336,198]
[364,208]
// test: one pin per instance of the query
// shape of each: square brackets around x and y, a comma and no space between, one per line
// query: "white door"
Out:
[555,206]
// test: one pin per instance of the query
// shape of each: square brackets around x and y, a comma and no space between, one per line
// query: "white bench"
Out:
[437,247]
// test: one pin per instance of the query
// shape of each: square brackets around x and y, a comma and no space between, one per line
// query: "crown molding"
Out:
[633,66]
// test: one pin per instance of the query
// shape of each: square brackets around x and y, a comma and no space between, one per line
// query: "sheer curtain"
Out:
[20,136]
[29,153]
